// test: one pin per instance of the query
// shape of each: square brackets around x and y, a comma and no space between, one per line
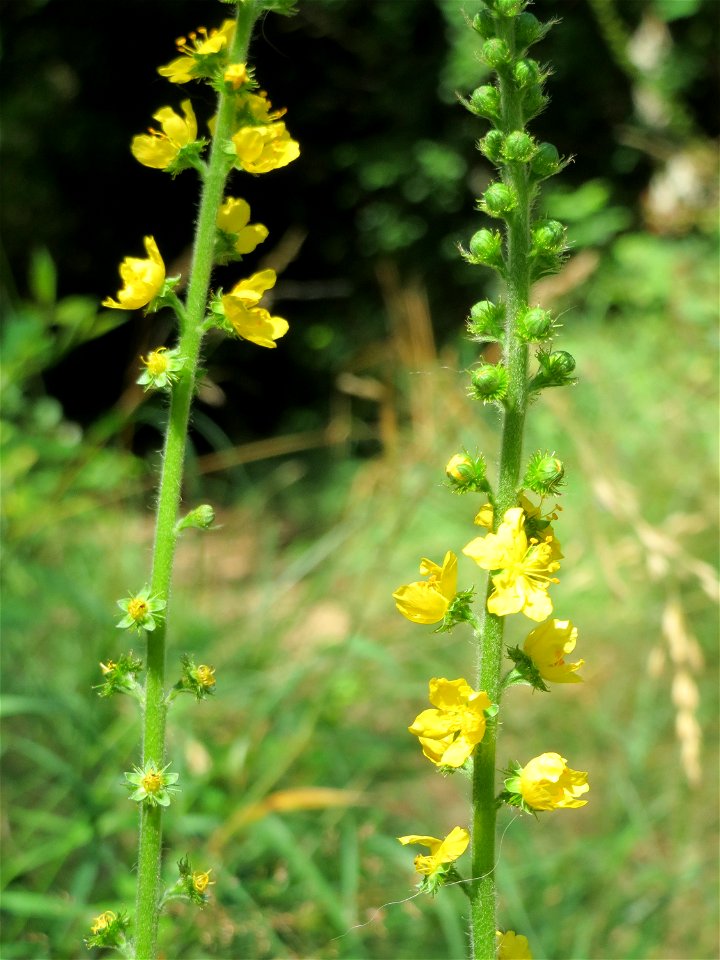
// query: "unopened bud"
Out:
[529,30]
[489,382]
[486,320]
[202,518]
[555,370]
[508,8]
[534,102]
[546,161]
[498,200]
[545,474]
[484,24]
[466,473]
[548,236]
[491,145]
[485,102]
[535,325]
[495,52]
[486,247]
[518,146]
[527,73]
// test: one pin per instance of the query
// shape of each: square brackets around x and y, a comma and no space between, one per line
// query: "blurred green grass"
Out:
[318,677]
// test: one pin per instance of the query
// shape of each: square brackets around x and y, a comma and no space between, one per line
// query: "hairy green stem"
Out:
[489,636]
[150,838]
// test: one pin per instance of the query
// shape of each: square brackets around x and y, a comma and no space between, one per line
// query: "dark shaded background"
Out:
[386,175]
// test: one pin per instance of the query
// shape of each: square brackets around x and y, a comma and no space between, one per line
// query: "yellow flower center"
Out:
[138,608]
[108,667]
[201,881]
[152,782]
[205,675]
[156,362]
[102,922]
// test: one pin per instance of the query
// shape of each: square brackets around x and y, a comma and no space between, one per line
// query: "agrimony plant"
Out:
[520,548]
[246,135]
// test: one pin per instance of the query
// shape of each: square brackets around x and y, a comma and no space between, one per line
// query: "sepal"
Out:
[459,611]
[152,785]
[524,671]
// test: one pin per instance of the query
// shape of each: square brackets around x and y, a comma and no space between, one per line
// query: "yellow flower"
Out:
[427,601]
[533,517]
[250,321]
[205,675]
[143,279]
[158,149]
[102,922]
[233,217]
[512,946]
[441,851]
[265,148]
[202,44]
[546,645]
[449,733]
[523,580]
[201,880]
[547,783]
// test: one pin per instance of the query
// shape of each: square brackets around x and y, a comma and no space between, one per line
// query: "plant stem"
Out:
[489,636]
[150,838]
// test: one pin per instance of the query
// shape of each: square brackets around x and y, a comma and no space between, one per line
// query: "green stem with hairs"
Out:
[150,839]
[489,636]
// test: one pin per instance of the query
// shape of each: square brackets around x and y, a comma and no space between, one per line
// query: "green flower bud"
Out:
[201,517]
[484,24]
[527,73]
[495,52]
[529,30]
[555,370]
[498,200]
[486,247]
[535,325]
[508,8]
[491,145]
[518,146]
[544,475]
[489,383]
[485,102]
[548,236]
[546,162]
[467,474]
[486,321]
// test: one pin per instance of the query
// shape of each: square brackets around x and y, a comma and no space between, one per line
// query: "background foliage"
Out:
[325,460]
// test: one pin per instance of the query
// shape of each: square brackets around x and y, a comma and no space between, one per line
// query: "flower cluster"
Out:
[519,547]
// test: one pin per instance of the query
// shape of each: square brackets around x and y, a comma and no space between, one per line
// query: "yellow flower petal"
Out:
[547,645]
[441,851]
[427,601]
[512,946]
[143,279]
[547,783]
